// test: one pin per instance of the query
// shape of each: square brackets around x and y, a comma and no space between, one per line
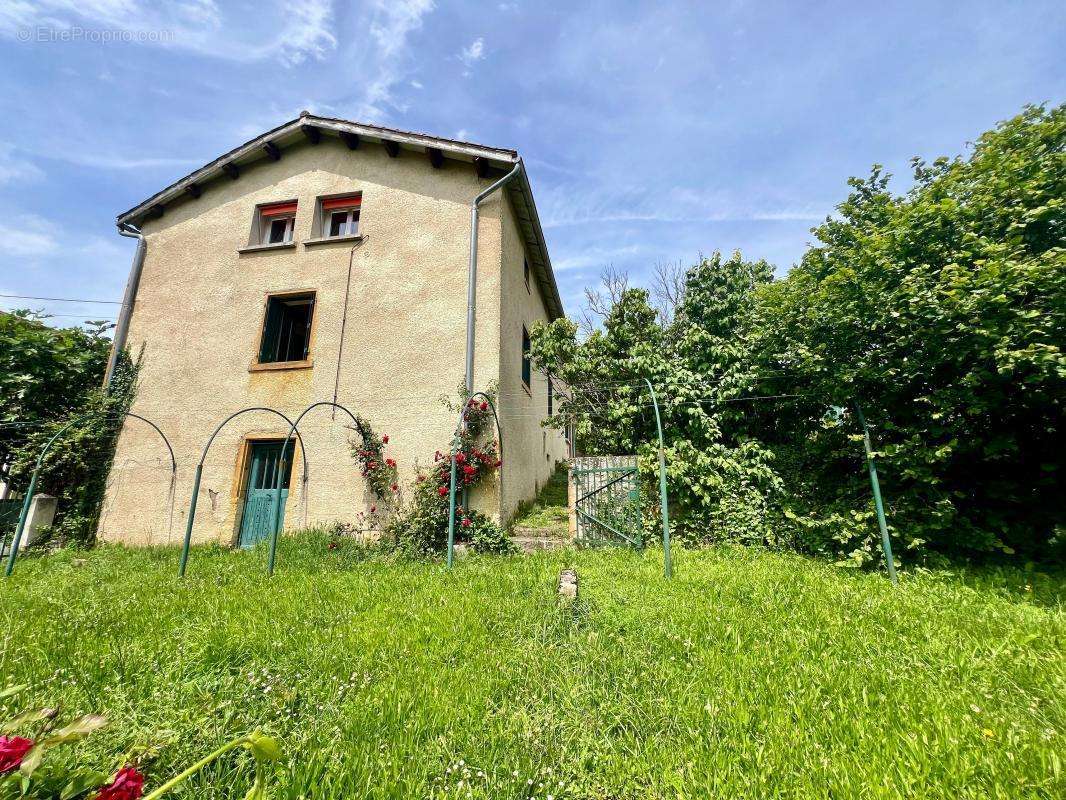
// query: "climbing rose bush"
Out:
[421,528]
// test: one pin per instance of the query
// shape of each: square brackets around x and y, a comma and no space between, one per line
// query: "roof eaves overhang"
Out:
[256,150]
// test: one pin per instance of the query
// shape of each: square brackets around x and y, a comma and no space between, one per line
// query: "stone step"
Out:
[533,544]
[530,540]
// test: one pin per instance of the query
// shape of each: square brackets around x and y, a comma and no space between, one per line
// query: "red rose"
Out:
[442,490]
[499,463]
[460,458]
[395,487]
[390,462]
[127,785]
[12,750]
[372,465]
[385,439]
[373,509]
[469,469]
[466,522]
[484,406]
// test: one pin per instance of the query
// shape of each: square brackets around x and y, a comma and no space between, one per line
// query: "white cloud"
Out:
[391,24]
[604,202]
[307,33]
[14,168]
[595,257]
[28,236]
[292,34]
[473,52]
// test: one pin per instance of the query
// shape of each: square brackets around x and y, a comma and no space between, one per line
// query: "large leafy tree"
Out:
[943,312]
[49,376]
[721,483]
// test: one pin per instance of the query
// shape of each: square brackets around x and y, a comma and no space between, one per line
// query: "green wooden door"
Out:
[257,521]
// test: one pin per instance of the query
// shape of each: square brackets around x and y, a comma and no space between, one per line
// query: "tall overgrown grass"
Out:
[751,674]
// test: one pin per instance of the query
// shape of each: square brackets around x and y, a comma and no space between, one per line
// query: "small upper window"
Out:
[340,216]
[527,367]
[276,222]
[525,273]
[287,328]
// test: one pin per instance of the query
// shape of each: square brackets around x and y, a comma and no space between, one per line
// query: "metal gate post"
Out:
[668,566]
[886,543]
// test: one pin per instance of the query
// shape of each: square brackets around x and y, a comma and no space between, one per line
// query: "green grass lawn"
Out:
[750,675]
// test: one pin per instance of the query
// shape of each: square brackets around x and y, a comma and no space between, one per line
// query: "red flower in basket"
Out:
[127,785]
[12,750]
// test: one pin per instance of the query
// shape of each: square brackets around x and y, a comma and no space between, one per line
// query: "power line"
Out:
[62,299]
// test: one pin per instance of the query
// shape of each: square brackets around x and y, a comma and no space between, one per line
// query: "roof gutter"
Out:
[471,279]
[122,327]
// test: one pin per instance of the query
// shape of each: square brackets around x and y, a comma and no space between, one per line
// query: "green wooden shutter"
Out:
[268,350]
[307,333]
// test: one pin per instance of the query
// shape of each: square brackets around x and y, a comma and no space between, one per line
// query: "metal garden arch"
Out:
[451,484]
[200,471]
[281,470]
[32,488]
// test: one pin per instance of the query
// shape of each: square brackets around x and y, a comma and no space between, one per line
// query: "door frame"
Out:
[242,472]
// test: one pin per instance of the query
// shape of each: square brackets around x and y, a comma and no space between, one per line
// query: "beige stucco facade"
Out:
[198,320]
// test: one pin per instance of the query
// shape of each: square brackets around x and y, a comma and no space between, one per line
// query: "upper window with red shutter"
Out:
[340,216]
[275,222]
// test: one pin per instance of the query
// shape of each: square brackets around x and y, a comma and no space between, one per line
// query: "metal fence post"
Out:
[668,566]
[886,543]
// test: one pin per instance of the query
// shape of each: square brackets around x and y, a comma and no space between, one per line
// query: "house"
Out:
[326,259]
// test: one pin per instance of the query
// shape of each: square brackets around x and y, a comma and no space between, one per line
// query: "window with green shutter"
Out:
[287,328]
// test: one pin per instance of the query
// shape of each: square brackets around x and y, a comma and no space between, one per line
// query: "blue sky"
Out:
[652,132]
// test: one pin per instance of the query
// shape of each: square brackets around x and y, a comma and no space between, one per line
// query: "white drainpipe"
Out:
[122,327]
[471,281]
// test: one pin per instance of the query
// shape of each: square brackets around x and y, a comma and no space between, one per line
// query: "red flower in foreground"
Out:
[385,439]
[442,490]
[12,750]
[127,785]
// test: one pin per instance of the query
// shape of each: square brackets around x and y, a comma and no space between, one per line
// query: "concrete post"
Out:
[42,513]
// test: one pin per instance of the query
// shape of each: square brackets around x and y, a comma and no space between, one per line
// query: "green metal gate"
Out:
[607,501]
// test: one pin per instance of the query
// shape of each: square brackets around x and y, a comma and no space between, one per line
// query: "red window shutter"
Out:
[342,202]
[277,209]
